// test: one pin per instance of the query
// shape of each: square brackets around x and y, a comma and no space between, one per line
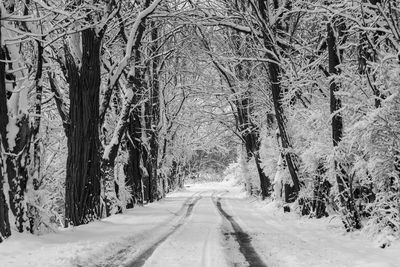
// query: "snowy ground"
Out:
[210,224]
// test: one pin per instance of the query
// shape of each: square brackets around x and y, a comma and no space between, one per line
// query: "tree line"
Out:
[105,105]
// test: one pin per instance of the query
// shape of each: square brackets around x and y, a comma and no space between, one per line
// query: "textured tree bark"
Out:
[82,198]
[37,119]
[5,230]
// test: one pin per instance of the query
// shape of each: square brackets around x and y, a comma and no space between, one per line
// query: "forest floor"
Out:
[210,224]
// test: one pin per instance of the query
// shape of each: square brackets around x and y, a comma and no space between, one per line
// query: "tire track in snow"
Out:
[141,258]
[123,254]
[242,238]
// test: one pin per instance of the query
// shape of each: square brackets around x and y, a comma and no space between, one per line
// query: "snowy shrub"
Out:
[375,144]
[234,173]
[243,172]
[250,175]
[310,132]
[269,154]
[48,199]
[124,191]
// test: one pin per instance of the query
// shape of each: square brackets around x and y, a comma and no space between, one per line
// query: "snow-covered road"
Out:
[204,225]
[194,241]
[205,236]
[220,228]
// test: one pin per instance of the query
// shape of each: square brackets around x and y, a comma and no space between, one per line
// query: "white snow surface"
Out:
[188,228]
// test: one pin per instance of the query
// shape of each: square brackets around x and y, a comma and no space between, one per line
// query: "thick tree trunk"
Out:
[17,175]
[82,198]
[16,158]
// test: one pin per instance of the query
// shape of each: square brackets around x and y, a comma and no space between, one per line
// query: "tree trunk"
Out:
[82,198]
[154,114]
[35,171]
[277,95]
[15,167]
[133,171]
[275,73]
[17,174]
[5,230]
[250,135]
[342,178]
[136,177]
[367,53]
[148,153]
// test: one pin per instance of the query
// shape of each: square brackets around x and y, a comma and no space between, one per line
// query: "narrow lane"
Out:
[206,236]
[141,259]
[196,243]
[155,230]
[241,237]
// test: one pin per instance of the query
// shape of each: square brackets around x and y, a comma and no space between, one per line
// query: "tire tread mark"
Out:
[121,253]
[145,255]
[242,238]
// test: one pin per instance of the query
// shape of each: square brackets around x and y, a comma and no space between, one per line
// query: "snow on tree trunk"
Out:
[133,168]
[351,218]
[152,115]
[5,230]
[250,135]
[275,73]
[16,136]
[126,119]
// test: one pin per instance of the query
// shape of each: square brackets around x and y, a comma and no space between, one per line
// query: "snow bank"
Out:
[95,243]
